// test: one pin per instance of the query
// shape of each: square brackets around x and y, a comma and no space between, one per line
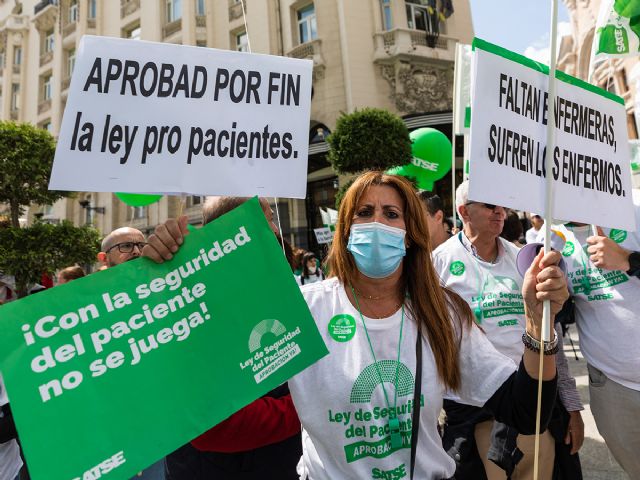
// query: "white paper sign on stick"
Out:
[155,117]
[462,89]
[323,235]
[592,178]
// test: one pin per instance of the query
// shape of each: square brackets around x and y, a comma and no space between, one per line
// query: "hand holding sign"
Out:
[606,253]
[166,239]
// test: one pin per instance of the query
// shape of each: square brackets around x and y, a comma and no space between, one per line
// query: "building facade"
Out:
[392,54]
[619,76]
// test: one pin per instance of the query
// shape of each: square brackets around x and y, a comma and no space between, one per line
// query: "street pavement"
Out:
[597,461]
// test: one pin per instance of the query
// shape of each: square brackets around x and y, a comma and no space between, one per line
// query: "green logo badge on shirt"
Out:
[568,249]
[618,236]
[342,327]
[457,268]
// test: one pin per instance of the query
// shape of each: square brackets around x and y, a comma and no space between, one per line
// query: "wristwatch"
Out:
[634,263]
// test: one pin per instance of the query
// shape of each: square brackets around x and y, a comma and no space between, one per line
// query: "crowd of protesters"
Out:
[446,308]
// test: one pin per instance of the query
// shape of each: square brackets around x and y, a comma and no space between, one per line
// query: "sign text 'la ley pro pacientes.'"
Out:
[134,78]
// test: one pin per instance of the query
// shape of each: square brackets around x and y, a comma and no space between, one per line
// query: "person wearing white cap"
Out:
[481,267]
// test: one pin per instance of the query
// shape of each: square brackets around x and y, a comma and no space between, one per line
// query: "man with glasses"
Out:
[480,266]
[121,245]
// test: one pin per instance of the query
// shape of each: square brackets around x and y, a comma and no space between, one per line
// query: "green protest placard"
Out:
[109,373]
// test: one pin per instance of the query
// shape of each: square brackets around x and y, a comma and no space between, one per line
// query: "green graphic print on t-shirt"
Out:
[365,425]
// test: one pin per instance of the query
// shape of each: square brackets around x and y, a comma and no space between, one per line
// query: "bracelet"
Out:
[550,348]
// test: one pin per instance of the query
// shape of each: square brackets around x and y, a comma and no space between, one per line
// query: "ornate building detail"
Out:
[417,87]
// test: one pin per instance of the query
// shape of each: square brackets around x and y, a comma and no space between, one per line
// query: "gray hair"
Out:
[462,194]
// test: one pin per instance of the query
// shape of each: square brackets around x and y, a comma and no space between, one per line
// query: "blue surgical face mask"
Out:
[376,248]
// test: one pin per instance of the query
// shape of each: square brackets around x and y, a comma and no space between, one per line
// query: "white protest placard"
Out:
[146,117]
[592,181]
[323,235]
[462,89]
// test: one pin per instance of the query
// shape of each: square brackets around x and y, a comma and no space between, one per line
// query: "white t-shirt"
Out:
[10,461]
[531,235]
[607,306]
[341,402]
[492,290]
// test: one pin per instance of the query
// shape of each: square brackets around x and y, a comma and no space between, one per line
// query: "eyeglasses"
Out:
[490,206]
[127,247]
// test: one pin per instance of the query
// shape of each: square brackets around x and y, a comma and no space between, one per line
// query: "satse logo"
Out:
[104,467]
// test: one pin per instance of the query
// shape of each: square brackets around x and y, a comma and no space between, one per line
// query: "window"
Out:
[242,42]
[307,29]
[73,11]
[46,88]
[194,200]
[387,21]
[139,212]
[15,96]
[200,7]
[71,61]
[17,56]
[48,126]
[133,33]
[174,10]
[92,9]
[420,17]
[48,41]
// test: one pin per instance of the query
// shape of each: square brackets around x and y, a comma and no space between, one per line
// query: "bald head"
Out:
[216,206]
[120,246]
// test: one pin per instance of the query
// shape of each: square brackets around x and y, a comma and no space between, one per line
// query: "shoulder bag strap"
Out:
[415,420]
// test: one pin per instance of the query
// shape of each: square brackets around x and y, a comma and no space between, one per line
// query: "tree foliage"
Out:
[26,158]
[27,253]
[369,139]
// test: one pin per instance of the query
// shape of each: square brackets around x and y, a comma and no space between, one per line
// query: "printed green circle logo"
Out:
[457,268]
[618,236]
[342,327]
[568,249]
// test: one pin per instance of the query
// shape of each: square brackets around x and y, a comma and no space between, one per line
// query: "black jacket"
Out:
[272,462]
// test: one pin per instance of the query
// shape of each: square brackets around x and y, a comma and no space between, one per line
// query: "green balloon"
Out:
[431,161]
[138,199]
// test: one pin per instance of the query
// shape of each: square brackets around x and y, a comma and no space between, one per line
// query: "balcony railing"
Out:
[235,10]
[201,21]
[91,23]
[127,7]
[16,69]
[16,22]
[310,50]
[68,29]
[42,4]
[46,58]
[65,84]
[44,106]
[13,114]
[405,41]
[171,28]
